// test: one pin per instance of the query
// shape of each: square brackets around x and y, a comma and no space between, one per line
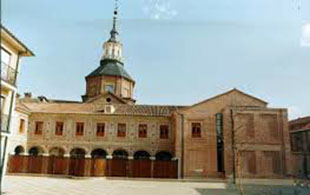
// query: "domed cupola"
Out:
[111,76]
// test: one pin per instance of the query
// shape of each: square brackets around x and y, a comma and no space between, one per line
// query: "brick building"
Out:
[230,134]
[300,145]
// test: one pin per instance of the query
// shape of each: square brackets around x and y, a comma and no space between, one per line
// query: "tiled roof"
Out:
[111,68]
[300,120]
[89,108]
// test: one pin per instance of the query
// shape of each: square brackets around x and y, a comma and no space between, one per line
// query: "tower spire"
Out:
[113,47]
[114,32]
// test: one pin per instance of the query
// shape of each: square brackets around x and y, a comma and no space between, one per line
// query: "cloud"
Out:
[305,35]
[294,112]
[159,9]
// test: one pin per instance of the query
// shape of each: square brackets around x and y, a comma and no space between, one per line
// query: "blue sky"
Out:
[179,51]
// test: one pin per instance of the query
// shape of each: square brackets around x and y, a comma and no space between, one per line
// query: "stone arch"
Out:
[99,153]
[19,150]
[163,155]
[120,154]
[36,151]
[77,153]
[57,151]
[141,154]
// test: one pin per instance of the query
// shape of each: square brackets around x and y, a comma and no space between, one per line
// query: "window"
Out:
[109,88]
[79,129]
[100,129]
[126,92]
[5,57]
[142,130]
[121,130]
[59,128]
[21,125]
[196,129]
[164,132]
[38,128]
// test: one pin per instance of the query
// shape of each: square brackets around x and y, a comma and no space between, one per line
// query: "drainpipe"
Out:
[233,145]
[181,175]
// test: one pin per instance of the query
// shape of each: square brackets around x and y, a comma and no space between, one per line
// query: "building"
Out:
[300,144]
[231,134]
[12,50]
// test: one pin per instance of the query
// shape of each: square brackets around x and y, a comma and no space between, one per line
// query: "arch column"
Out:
[130,157]
[109,156]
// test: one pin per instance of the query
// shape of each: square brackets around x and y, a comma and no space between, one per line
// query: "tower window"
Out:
[142,130]
[196,129]
[109,88]
[79,129]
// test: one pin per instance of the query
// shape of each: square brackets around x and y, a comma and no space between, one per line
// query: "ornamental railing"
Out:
[8,73]
[4,123]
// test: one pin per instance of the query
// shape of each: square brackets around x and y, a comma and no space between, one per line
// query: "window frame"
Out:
[22,124]
[38,127]
[59,128]
[79,129]
[197,134]
[100,129]
[142,130]
[107,85]
[9,54]
[166,134]
[119,133]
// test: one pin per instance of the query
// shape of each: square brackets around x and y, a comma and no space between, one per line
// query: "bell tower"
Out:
[113,47]
[110,77]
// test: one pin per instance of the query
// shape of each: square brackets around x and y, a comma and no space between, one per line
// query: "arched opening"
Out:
[163,155]
[141,155]
[19,150]
[98,153]
[35,151]
[120,154]
[77,153]
[56,151]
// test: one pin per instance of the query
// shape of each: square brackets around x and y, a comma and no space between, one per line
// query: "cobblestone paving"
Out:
[21,185]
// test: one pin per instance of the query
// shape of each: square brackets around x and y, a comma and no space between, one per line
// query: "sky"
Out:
[179,52]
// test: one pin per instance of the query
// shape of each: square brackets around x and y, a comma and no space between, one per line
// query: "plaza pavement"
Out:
[31,185]
[25,185]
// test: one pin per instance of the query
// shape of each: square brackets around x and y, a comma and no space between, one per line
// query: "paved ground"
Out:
[22,185]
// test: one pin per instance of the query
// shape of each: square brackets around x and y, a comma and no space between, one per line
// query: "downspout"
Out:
[182,145]
[233,145]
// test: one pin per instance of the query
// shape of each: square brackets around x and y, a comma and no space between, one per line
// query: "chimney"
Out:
[28,95]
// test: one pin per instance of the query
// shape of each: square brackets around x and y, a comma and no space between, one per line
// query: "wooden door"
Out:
[141,168]
[99,167]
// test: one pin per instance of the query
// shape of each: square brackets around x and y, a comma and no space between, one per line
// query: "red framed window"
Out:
[100,129]
[39,128]
[121,130]
[196,129]
[79,129]
[143,130]
[164,132]
[59,128]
